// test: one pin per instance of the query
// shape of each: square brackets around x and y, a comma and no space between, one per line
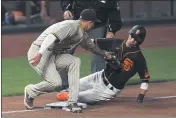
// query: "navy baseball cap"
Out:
[89,15]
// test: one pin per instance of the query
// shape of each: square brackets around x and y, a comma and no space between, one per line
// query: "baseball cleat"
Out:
[28,101]
[73,108]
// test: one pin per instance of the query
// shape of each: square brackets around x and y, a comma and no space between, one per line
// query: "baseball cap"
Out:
[89,15]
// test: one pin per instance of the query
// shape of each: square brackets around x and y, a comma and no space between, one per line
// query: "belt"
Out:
[109,85]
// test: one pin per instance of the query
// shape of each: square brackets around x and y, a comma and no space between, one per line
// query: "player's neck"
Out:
[127,44]
[82,26]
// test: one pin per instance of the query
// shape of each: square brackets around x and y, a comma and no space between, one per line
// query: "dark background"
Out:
[132,12]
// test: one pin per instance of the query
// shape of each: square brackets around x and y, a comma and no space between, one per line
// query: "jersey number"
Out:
[127,64]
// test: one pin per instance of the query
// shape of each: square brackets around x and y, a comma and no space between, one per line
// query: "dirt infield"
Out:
[124,105]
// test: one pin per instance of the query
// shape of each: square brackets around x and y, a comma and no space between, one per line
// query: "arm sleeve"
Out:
[46,43]
[65,31]
[142,68]
[88,44]
[115,22]
[66,4]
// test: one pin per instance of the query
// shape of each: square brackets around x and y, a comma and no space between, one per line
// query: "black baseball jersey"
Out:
[132,62]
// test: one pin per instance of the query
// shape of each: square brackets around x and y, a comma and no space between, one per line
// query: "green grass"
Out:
[161,64]
[16,73]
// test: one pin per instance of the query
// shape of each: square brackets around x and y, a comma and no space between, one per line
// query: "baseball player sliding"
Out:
[128,60]
[48,55]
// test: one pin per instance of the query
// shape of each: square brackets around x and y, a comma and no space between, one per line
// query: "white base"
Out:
[61,104]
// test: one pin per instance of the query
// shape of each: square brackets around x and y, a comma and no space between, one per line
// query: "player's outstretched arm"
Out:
[142,93]
[89,44]
[144,76]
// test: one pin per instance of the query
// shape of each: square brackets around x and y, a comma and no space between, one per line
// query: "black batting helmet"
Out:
[138,32]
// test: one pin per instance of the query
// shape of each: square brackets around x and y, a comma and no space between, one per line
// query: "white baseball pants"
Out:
[93,89]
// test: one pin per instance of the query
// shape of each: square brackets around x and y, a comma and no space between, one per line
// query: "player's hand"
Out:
[35,61]
[110,35]
[109,56]
[140,98]
[68,15]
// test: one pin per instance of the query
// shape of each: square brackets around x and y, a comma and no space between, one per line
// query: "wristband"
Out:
[140,98]
[144,86]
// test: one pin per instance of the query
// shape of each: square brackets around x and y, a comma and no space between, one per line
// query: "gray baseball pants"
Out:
[49,67]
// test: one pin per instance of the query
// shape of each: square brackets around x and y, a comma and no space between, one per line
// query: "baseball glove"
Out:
[113,61]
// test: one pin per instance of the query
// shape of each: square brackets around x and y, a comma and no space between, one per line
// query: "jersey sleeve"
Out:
[88,44]
[142,68]
[64,31]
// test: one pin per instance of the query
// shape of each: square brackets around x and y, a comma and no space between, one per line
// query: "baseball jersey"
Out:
[68,34]
[132,62]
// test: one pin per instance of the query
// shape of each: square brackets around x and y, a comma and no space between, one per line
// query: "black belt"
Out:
[106,82]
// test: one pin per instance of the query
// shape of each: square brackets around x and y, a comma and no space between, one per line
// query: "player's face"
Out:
[90,25]
[131,41]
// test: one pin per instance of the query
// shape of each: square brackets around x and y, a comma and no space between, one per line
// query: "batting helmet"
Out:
[138,32]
